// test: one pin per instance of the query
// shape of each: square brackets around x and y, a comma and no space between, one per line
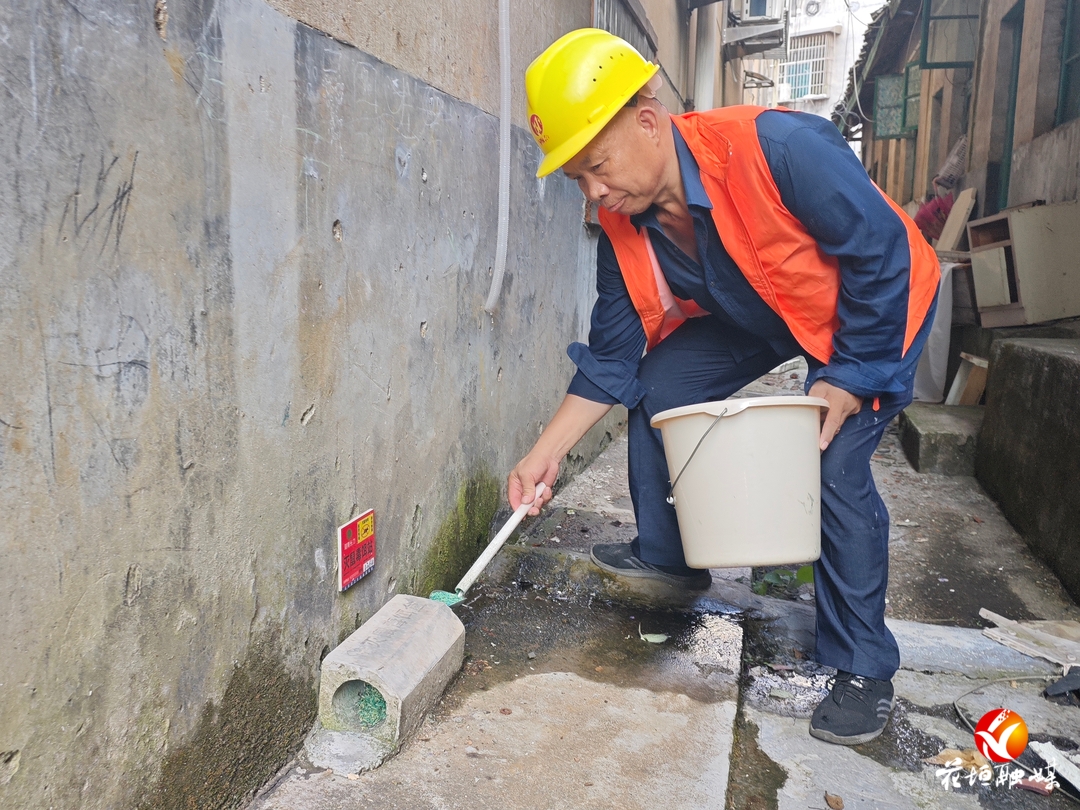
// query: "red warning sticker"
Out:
[356,549]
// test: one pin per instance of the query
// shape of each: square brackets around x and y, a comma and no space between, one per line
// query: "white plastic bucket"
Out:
[751,494]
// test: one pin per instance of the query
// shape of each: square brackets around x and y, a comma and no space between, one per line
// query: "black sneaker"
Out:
[619,559]
[855,710]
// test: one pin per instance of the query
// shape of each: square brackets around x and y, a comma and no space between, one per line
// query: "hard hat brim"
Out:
[559,156]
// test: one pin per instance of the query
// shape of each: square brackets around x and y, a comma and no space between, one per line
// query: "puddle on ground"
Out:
[522,629]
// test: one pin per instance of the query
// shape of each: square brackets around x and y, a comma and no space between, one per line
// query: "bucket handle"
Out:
[671,492]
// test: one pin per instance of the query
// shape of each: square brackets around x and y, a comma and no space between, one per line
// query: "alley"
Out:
[562,703]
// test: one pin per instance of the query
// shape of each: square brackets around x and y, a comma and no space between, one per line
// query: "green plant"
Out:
[783,578]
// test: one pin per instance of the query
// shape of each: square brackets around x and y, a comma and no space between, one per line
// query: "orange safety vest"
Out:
[780,259]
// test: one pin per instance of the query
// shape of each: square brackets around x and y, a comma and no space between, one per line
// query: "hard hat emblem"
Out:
[537,125]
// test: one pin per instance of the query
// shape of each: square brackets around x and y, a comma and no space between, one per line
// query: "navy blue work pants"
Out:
[696,364]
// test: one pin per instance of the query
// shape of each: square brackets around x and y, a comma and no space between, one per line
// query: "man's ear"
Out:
[649,120]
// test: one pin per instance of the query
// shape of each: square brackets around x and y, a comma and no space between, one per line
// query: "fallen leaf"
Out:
[834,802]
[599,669]
[652,638]
[588,784]
[506,711]
[970,759]
[352,776]
[977,519]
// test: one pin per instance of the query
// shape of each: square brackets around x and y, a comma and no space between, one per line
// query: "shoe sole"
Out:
[856,739]
[695,582]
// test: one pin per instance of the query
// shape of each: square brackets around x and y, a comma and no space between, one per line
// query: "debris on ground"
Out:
[969,759]
[787,690]
[1055,641]
[652,638]
[1058,760]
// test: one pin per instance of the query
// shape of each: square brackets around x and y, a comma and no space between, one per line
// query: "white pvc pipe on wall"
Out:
[708,49]
[504,158]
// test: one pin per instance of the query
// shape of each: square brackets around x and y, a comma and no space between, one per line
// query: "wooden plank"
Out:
[894,170]
[981,362]
[1046,242]
[901,169]
[1032,639]
[1056,758]
[990,271]
[956,224]
[924,135]
[959,383]
[974,387]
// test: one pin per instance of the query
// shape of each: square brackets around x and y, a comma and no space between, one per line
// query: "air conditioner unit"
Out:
[760,9]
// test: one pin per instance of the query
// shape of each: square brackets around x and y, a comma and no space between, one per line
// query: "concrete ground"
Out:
[562,703]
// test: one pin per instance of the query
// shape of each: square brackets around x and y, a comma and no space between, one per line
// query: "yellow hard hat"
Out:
[576,86]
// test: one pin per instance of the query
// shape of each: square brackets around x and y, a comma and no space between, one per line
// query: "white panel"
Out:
[991,279]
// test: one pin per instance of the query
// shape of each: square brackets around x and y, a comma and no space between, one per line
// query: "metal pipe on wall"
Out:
[707,50]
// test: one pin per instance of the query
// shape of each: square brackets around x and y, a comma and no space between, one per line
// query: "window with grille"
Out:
[806,70]
[618,18]
[889,106]
[912,96]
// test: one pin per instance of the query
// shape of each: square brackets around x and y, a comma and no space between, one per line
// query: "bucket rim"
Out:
[735,406]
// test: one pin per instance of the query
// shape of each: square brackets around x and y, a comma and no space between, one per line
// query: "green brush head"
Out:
[446,597]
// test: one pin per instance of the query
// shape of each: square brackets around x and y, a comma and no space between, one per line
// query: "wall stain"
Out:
[239,744]
[461,537]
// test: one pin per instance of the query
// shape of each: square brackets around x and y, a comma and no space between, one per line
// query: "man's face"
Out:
[619,168]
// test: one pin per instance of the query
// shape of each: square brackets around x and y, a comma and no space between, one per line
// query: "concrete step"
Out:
[941,438]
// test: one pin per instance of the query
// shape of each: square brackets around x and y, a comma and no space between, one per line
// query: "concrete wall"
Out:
[1028,455]
[242,266]
[1047,168]
[451,46]
[672,25]
[1045,159]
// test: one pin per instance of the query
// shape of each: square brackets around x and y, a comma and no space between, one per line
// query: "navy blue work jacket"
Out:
[824,186]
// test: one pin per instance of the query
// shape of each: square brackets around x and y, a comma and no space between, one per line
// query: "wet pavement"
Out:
[562,703]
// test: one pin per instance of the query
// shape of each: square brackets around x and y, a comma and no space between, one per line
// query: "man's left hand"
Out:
[841,405]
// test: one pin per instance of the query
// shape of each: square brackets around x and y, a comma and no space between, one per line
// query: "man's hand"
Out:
[521,484]
[841,405]
[571,421]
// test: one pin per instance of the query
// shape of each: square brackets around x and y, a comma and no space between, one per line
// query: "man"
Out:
[736,239]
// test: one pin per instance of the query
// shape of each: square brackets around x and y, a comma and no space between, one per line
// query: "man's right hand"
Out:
[521,484]
[571,421]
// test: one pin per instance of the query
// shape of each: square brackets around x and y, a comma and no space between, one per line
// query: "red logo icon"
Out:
[1001,735]
[537,125]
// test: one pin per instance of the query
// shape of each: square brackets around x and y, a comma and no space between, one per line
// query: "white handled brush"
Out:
[482,561]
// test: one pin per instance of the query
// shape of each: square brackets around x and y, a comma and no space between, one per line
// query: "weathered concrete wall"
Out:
[671,21]
[1028,455]
[241,277]
[1047,168]
[451,46]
